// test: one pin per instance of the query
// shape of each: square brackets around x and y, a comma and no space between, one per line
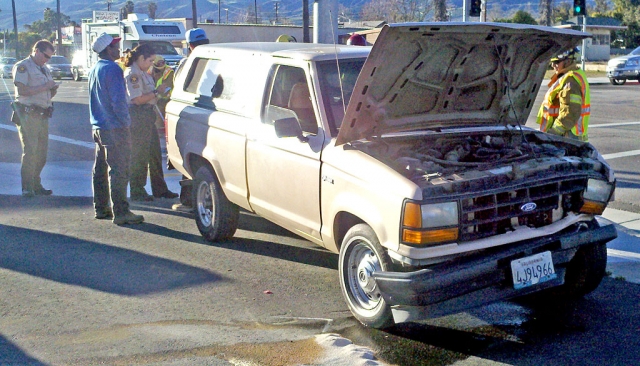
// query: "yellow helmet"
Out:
[286,38]
[568,54]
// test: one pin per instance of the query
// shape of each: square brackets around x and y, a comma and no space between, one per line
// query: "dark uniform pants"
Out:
[34,137]
[146,154]
[111,170]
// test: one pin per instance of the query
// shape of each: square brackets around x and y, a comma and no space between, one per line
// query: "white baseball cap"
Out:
[104,40]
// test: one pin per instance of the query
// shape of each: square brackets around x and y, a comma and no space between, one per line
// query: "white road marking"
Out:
[89,145]
[614,124]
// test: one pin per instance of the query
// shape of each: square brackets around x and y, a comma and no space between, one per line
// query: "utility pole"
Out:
[255,8]
[226,12]
[58,25]
[219,11]
[276,5]
[194,14]
[15,28]
[109,5]
[584,42]
[305,21]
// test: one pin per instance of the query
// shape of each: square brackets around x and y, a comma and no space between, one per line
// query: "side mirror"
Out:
[289,127]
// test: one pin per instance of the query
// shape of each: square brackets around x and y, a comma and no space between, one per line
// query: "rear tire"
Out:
[76,75]
[216,216]
[360,256]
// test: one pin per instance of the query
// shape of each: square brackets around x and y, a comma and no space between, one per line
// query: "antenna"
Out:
[335,47]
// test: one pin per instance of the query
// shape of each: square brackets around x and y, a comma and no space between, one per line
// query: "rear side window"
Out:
[225,85]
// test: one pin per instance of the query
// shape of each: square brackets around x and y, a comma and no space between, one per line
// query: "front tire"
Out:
[76,74]
[361,255]
[614,81]
[585,271]
[216,216]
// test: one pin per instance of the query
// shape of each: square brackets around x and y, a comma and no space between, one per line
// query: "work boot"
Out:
[42,192]
[167,194]
[128,218]
[104,214]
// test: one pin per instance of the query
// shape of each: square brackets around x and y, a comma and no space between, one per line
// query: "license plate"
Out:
[531,270]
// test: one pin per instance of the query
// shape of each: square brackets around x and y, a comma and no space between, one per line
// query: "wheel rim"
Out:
[361,264]
[204,202]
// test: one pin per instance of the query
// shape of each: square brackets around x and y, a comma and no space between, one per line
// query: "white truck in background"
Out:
[136,29]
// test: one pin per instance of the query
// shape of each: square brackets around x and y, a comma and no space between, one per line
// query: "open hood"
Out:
[435,75]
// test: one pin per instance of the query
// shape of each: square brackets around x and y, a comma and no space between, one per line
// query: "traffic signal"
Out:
[476,8]
[580,7]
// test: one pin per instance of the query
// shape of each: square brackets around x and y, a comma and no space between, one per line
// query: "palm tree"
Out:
[152,7]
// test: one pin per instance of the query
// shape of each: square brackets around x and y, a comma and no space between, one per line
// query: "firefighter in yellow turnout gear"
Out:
[163,78]
[566,106]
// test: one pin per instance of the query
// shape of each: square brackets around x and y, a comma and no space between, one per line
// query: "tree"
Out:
[127,9]
[545,12]
[152,7]
[396,11]
[519,17]
[47,27]
[440,11]
[602,6]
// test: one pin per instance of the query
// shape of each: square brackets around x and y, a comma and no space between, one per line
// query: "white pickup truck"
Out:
[409,159]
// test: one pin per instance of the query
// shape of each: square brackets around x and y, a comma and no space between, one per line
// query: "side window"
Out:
[221,84]
[289,97]
[202,77]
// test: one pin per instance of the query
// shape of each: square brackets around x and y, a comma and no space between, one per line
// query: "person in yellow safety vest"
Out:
[163,77]
[566,106]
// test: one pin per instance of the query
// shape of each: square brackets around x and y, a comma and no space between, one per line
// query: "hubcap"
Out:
[204,203]
[361,265]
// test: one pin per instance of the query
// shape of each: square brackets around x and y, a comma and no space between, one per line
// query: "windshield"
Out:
[7,61]
[162,48]
[636,52]
[59,60]
[336,99]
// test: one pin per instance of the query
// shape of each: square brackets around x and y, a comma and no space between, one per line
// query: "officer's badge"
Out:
[22,69]
[134,79]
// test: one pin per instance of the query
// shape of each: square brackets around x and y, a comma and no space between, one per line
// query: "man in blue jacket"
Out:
[111,122]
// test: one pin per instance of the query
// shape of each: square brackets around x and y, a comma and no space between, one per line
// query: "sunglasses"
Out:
[48,57]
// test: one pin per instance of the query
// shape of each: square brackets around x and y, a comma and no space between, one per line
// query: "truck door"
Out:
[283,174]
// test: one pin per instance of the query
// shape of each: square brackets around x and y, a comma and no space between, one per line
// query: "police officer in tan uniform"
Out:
[145,150]
[34,88]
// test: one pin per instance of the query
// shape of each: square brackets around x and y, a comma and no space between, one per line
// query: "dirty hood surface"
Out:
[434,75]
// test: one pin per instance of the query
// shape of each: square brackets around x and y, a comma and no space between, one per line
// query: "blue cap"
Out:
[196,34]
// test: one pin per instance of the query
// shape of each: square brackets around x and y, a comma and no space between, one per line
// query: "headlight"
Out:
[430,224]
[596,196]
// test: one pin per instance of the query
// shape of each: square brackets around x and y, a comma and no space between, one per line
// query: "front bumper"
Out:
[449,288]
[61,74]
[632,74]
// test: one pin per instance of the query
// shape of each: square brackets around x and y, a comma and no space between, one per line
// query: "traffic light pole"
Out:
[584,42]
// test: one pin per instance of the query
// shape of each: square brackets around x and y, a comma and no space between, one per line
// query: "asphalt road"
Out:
[74,290]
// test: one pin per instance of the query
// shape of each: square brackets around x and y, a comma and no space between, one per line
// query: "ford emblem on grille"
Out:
[528,207]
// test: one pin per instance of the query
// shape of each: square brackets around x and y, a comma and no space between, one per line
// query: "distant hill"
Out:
[29,11]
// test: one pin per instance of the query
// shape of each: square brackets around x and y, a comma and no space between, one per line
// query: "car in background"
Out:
[79,65]
[623,68]
[59,67]
[6,66]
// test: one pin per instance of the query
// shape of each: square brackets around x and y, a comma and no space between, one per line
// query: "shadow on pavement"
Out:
[10,354]
[601,329]
[106,268]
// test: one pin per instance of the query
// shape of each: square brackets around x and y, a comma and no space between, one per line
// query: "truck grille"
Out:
[500,212]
